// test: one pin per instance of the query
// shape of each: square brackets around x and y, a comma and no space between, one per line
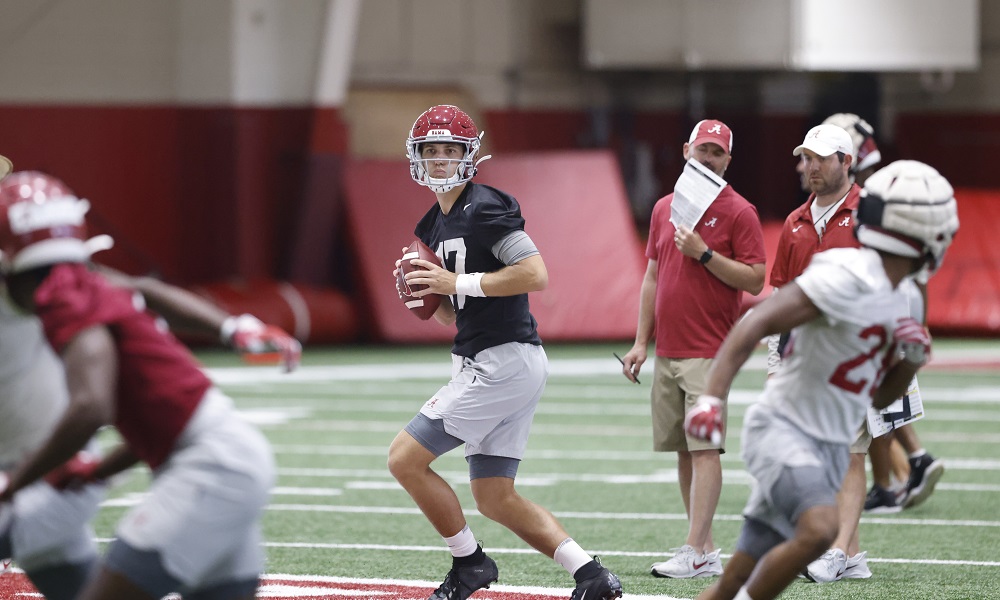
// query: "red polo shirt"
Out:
[799,240]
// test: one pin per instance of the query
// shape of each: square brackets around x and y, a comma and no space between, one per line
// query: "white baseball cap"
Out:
[826,139]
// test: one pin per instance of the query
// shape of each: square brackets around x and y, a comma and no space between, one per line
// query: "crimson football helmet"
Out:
[42,223]
[444,124]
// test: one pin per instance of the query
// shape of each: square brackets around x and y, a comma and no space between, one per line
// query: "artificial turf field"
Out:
[337,514]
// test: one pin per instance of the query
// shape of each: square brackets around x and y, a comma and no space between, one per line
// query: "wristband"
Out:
[470,284]
[706,256]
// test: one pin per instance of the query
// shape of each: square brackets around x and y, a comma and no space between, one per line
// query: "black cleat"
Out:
[604,586]
[881,501]
[925,471]
[462,581]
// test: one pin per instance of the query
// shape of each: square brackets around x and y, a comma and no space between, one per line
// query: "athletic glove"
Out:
[704,421]
[258,343]
[75,472]
[913,341]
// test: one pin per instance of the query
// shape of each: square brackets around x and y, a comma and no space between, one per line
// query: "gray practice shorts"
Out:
[793,471]
[201,515]
[488,404]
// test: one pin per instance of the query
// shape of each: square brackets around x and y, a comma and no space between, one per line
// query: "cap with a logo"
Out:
[714,132]
[826,139]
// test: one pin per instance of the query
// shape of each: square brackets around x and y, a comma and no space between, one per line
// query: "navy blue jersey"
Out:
[464,239]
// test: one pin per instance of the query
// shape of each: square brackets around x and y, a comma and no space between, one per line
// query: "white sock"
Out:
[918,453]
[571,556]
[462,543]
[742,594]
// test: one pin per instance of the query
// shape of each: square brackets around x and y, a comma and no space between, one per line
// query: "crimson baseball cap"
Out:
[712,131]
[825,140]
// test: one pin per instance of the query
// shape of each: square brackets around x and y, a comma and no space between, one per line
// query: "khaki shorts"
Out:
[678,383]
[863,441]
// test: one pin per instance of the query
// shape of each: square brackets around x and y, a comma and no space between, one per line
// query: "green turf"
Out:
[587,427]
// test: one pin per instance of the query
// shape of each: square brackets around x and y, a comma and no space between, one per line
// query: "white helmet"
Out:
[908,208]
[866,152]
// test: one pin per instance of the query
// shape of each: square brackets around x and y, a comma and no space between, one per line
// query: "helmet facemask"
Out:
[466,167]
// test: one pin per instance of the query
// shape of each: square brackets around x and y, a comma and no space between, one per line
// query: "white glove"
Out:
[260,343]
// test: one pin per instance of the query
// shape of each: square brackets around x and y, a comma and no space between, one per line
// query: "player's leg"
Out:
[50,537]
[198,528]
[815,530]
[755,540]
[518,371]
[831,566]
[497,499]
[844,558]
[798,478]
[410,458]
[882,498]
[925,470]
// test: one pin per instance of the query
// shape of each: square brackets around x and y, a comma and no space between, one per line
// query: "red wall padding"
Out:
[576,212]
[964,296]
[311,314]
[192,193]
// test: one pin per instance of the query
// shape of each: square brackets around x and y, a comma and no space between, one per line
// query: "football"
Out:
[425,306]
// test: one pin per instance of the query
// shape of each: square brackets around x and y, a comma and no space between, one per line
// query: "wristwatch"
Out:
[707,256]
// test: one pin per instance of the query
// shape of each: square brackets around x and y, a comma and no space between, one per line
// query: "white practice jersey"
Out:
[833,364]
[32,385]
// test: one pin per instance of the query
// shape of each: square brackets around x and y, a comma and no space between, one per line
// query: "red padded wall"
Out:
[964,296]
[576,211]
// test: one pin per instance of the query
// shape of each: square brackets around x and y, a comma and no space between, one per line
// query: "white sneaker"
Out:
[829,567]
[857,567]
[687,563]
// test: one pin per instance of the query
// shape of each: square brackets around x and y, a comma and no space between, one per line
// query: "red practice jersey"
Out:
[159,383]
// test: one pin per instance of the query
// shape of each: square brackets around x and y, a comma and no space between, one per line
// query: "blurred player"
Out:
[197,531]
[856,340]
[828,153]
[499,368]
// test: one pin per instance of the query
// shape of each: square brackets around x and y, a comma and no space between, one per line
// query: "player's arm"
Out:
[913,342]
[524,272]
[188,312]
[636,356]
[777,314]
[527,275]
[445,314]
[91,366]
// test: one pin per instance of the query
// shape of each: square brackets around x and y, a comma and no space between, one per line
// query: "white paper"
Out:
[694,192]
[907,409]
